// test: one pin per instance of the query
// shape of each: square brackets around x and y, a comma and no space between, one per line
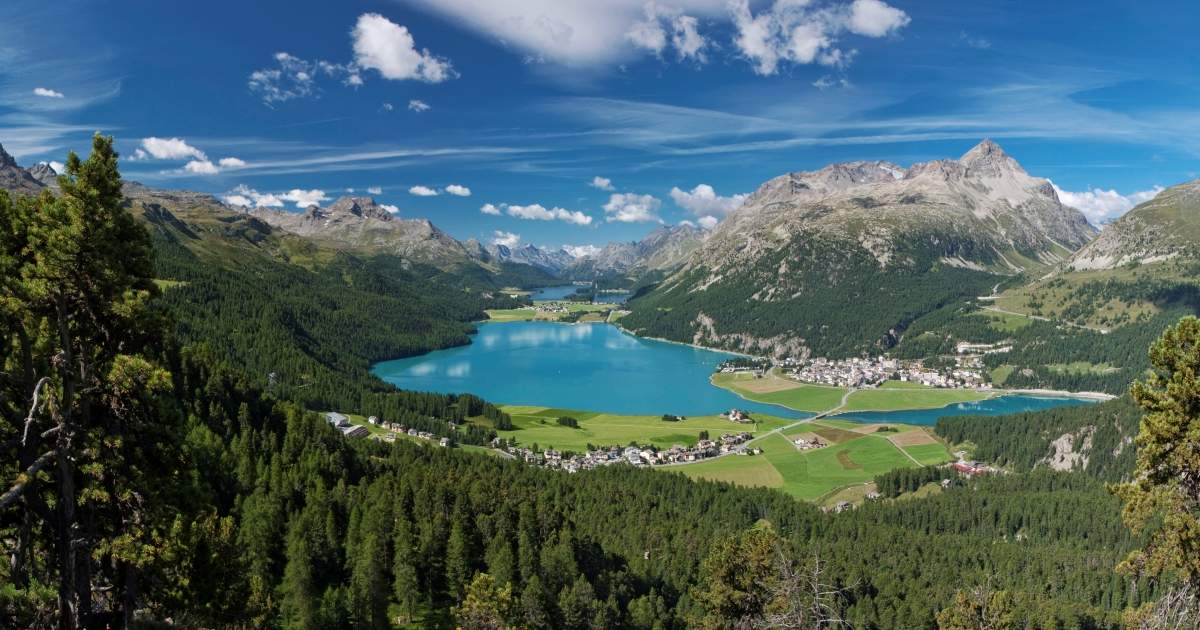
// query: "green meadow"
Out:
[539,425]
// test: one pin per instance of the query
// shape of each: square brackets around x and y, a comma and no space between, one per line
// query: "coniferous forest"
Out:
[164,464]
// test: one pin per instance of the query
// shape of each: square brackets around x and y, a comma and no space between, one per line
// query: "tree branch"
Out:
[19,488]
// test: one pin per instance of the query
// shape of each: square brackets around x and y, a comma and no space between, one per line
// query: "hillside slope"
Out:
[841,260]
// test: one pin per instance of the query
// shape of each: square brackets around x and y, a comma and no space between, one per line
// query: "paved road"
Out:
[997,309]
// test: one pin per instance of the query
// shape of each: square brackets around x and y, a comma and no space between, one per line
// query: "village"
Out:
[727,444]
[869,372]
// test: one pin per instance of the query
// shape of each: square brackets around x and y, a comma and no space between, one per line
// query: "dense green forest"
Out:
[838,302]
[1103,433]
[156,477]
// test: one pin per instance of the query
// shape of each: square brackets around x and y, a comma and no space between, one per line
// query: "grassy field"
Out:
[894,398]
[853,459]
[538,425]
[778,390]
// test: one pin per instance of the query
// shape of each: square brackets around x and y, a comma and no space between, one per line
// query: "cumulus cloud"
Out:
[247,197]
[828,81]
[703,199]
[660,28]
[538,212]
[390,208]
[1101,206]
[507,239]
[231,162]
[802,33]
[418,106]
[374,190]
[201,167]
[387,107]
[304,198]
[708,223]
[491,209]
[458,191]
[581,251]
[47,92]
[168,149]
[383,45]
[422,191]
[603,183]
[293,77]
[874,18]
[632,208]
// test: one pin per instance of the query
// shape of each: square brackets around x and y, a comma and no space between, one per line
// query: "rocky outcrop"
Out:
[1161,229]
[665,248]
[15,179]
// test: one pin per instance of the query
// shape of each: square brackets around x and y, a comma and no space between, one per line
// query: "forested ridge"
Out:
[156,477]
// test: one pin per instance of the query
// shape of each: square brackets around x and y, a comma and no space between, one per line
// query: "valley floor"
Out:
[855,452]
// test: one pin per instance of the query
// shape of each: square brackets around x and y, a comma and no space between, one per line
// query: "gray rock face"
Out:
[1161,229]
[15,179]
[550,260]
[663,249]
[361,224]
[44,174]
[979,211]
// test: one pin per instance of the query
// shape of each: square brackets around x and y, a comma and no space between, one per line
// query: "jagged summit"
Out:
[989,160]
[365,207]
[16,179]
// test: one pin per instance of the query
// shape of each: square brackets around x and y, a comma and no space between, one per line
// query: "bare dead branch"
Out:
[19,488]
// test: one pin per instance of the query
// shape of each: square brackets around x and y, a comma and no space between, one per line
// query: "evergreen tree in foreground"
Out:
[90,443]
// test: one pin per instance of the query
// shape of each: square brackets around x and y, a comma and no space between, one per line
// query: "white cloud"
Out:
[603,183]
[390,208]
[243,195]
[58,167]
[374,190]
[538,212]
[292,77]
[231,162]
[874,18]
[703,199]
[491,209]
[422,191]
[581,251]
[458,191]
[507,239]
[979,43]
[201,167]
[648,33]
[47,92]
[305,198]
[387,107]
[708,223]
[803,33]
[418,106]
[383,45]
[168,149]
[632,208]
[827,81]
[687,40]
[1100,206]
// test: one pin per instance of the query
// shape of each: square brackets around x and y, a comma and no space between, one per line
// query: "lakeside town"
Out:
[641,456]
[965,372]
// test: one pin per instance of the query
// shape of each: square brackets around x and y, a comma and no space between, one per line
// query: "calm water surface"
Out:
[598,367]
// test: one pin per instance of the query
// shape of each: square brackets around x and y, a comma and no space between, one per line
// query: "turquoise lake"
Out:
[599,367]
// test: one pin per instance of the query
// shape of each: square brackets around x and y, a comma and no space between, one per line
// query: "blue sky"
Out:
[578,122]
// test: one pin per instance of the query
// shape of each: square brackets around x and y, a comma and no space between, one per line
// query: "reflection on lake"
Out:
[598,367]
[594,367]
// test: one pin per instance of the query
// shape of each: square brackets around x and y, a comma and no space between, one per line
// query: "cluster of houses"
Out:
[872,371]
[633,455]
[973,468]
[342,423]
[739,416]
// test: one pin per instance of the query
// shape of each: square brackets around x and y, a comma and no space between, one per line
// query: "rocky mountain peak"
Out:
[5,158]
[44,173]
[989,160]
[364,207]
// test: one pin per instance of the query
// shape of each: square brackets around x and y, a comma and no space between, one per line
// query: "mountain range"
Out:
[841,260]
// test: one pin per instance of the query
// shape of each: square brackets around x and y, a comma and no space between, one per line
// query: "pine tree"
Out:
[405,587]
[368,586]
[1166,486]
[299,595]
[459,551]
